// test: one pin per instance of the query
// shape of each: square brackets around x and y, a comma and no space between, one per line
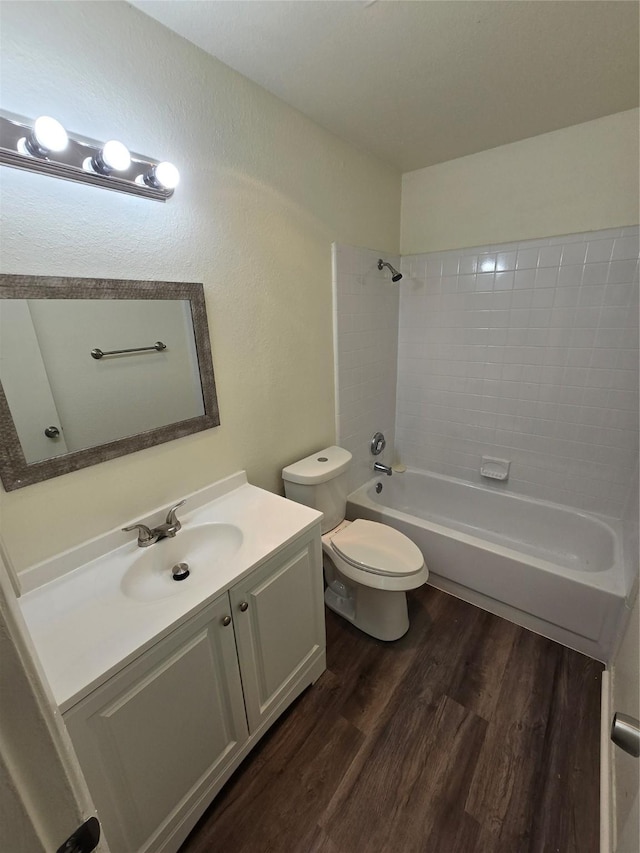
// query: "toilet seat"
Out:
[377,548]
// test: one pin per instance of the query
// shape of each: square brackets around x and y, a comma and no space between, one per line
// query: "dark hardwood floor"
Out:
[468,735]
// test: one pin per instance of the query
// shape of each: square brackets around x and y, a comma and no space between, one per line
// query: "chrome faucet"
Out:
[383,469]
[148,535]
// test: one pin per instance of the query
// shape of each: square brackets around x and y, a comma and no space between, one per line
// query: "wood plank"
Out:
[478,677]
[280,800]
[414,783]
[457,833]
[451,628]
[502,795]
[567,808]
[317,841]
[381,669]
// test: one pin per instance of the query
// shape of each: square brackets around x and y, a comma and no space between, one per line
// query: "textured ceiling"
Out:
[424,81]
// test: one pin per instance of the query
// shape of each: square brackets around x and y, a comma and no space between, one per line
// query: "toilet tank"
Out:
[320,481]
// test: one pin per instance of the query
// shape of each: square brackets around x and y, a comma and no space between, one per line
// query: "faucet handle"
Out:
[171,515]
[145,535]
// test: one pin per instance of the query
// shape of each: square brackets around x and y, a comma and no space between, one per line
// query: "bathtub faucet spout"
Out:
[383,469]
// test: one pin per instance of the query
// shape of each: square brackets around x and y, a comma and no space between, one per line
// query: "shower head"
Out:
[395,275]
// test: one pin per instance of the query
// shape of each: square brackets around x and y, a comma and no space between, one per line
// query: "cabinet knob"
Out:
[52,432]
[226,621]
[244,606]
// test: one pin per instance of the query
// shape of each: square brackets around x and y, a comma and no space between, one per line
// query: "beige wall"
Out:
[264,192]
[581,178]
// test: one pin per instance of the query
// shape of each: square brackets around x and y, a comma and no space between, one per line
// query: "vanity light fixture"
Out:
[44,146]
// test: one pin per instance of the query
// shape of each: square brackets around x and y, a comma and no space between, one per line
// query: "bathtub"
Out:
[547,567]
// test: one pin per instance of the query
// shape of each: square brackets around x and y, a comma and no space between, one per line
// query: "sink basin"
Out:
[204,548]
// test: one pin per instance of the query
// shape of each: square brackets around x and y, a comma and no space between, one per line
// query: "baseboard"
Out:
[607,813]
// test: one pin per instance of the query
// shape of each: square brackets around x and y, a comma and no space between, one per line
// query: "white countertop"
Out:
[85,628]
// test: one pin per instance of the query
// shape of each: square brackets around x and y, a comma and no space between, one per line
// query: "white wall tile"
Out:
[570,275]
[531,353]
[528,351]
[623,272]
[573,253]
[599,250]
[626,248]
[546,277]
[527,258]
[550,256]
[595,274]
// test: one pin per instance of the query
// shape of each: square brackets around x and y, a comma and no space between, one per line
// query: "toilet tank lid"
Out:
[319,467]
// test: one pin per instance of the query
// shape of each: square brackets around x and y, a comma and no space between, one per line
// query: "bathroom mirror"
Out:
[91,369]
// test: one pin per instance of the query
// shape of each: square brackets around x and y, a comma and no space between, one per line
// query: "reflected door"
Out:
[26,384]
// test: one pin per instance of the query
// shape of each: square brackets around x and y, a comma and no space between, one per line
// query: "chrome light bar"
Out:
[82,159]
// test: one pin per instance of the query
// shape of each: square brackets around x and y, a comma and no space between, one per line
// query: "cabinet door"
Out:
[278,615]
[153,740]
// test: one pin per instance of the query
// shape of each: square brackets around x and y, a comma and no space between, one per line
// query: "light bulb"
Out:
[116,156]
[113,157]
[47,135]
[162,176]
[167,175]
[50,134]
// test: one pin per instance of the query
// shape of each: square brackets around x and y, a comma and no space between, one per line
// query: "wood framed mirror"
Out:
[92,369]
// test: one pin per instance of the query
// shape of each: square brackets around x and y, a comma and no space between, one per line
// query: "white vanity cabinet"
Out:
[278,613]
[158,735]
[159,739]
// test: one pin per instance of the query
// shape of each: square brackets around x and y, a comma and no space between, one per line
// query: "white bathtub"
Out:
[550,568]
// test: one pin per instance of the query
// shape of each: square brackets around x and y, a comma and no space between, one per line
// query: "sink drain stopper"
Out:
[180,571]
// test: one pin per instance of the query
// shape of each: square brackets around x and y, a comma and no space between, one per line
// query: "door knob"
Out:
[244,606]
[52,432]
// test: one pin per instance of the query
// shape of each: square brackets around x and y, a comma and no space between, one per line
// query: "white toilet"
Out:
[367,566]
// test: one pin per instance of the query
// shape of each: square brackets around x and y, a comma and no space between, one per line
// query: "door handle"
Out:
[625,733]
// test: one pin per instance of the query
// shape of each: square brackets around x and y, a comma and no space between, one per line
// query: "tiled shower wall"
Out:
[365,308]
[526,351]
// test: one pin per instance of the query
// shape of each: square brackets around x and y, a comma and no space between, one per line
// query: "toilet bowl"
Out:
[368,566]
